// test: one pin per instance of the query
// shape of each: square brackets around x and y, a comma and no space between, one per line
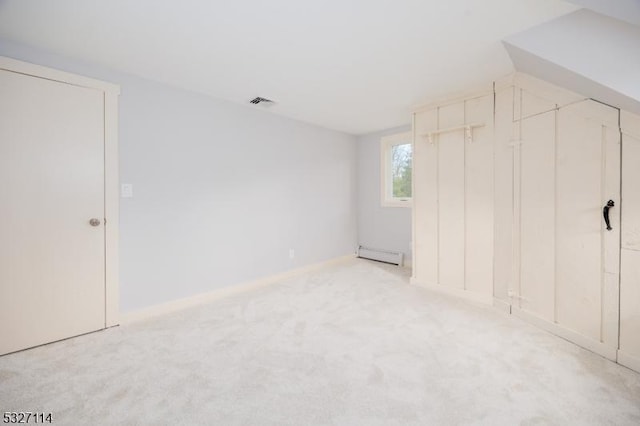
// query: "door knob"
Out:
[94,222]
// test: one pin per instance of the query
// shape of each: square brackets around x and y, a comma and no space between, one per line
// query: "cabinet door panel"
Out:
[579,260]
[451,189]
[537,215]
[630,262]
[569,261]
[425,199]
[479,198]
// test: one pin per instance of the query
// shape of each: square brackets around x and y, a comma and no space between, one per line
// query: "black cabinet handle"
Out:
[605,212]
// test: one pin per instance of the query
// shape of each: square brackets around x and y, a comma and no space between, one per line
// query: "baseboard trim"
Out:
[629,361]
[502,305]
[456,292]
[202,298]
[573,337]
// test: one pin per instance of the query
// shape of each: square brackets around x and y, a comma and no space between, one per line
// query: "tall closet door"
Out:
[567,170]
[52,254]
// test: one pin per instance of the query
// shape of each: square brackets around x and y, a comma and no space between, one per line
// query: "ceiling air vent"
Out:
[264,102]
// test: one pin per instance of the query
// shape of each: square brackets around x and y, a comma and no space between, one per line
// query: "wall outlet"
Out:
[292,253]
[126,190]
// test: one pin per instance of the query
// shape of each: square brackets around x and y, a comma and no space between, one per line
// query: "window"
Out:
[396,157]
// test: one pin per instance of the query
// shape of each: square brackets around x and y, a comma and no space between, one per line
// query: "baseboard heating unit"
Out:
[386,256]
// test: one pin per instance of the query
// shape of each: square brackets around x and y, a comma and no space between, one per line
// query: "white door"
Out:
[567,169]
[52,260]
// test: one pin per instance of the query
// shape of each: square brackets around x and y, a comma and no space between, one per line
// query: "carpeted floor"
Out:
[351,344]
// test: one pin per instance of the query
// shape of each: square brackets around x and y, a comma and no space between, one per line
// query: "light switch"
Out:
[126,190]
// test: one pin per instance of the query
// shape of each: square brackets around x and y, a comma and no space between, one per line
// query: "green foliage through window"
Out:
[401,156]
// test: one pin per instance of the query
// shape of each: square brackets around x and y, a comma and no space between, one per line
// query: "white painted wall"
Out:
[380,227]
[221,191]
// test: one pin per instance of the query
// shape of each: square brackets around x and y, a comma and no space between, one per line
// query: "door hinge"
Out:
[512,294]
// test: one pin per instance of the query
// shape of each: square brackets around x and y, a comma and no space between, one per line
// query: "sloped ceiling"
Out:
[351,65]
[624,10]
[586,52]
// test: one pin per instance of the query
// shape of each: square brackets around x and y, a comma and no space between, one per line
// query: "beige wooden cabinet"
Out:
[509,194]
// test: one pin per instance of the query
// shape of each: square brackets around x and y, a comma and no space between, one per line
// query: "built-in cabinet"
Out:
[511,188]
[453,157]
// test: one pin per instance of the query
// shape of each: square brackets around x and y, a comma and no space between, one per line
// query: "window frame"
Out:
[386,179]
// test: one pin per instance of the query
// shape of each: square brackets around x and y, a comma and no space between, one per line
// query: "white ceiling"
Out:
[350,65]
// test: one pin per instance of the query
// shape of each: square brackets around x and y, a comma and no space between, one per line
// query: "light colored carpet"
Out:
[351,344]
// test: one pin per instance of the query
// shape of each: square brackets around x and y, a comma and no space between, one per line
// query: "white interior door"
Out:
[568,168]
[52,260]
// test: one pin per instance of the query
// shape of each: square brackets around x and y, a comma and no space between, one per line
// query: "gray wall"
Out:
[221,191]
[380,227]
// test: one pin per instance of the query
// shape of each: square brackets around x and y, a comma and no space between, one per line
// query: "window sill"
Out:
[397,203]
